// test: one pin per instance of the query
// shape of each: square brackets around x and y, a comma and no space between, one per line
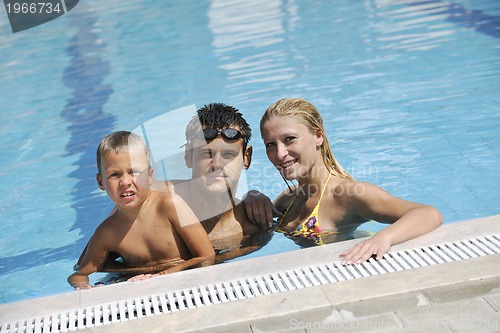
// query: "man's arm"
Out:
[191,231]
[248,246]
[259,209]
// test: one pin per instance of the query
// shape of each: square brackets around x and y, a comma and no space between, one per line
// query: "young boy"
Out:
[147,229]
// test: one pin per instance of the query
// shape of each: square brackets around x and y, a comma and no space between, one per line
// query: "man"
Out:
[217,151]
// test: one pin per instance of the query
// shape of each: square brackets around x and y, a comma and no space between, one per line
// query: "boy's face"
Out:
[218,163]
[126,176]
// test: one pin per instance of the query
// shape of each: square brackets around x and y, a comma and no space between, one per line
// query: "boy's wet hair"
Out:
[218,116]
[118,142]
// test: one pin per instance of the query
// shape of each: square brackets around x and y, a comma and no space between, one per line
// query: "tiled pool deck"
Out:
[460,296]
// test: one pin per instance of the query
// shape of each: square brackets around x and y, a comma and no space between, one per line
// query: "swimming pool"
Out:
[408,90]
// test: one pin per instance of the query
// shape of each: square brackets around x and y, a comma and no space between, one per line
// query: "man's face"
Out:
[218,163]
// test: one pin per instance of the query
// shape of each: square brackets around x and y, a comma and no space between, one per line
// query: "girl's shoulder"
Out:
[351,191]
[359,196]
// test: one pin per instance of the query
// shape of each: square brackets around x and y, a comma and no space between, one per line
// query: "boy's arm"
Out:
[110,265]
[192,232]
[93,258]
[193,262]
[79,281]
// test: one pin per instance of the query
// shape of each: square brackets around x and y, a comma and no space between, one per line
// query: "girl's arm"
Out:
[408,220]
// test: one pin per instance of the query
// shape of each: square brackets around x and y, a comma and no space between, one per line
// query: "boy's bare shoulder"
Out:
[105,233]
[167,200]
[108,225]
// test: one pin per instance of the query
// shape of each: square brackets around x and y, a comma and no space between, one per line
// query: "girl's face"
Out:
[291,147]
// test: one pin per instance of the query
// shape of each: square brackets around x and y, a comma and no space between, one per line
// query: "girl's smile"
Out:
[291,147]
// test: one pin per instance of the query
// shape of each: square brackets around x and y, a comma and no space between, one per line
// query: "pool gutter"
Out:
[257,303]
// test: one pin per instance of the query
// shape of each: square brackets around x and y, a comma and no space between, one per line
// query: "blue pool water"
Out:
[409,92]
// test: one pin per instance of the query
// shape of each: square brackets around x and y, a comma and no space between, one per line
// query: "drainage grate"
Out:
[228,291]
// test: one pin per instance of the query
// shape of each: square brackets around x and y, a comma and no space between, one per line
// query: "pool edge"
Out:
[253,309]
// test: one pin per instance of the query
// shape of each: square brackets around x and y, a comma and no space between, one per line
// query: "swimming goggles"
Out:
[227,133]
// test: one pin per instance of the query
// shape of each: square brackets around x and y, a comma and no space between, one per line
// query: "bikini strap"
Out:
[280,220]
[324,187]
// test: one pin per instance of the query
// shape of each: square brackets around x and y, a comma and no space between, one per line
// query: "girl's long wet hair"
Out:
[308,115]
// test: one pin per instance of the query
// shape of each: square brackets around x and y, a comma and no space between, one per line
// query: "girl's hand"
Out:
[362,251]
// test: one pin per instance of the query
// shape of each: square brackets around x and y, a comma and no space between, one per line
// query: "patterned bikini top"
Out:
[310,227]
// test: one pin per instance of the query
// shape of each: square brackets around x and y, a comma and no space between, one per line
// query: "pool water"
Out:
[409,92]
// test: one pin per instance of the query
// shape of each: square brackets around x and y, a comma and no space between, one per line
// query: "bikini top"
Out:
[310,227]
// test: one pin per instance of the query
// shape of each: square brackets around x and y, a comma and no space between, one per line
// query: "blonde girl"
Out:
[327,204]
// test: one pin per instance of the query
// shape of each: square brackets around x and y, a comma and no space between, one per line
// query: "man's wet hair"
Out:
[218,116]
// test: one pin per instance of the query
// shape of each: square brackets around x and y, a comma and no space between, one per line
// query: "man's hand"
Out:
[260,209]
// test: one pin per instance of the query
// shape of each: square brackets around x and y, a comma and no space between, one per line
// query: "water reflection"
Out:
[246,43]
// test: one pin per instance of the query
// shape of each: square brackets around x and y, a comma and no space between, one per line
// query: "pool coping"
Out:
[276,304]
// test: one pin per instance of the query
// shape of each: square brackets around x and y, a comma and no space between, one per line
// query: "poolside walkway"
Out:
[459,296]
